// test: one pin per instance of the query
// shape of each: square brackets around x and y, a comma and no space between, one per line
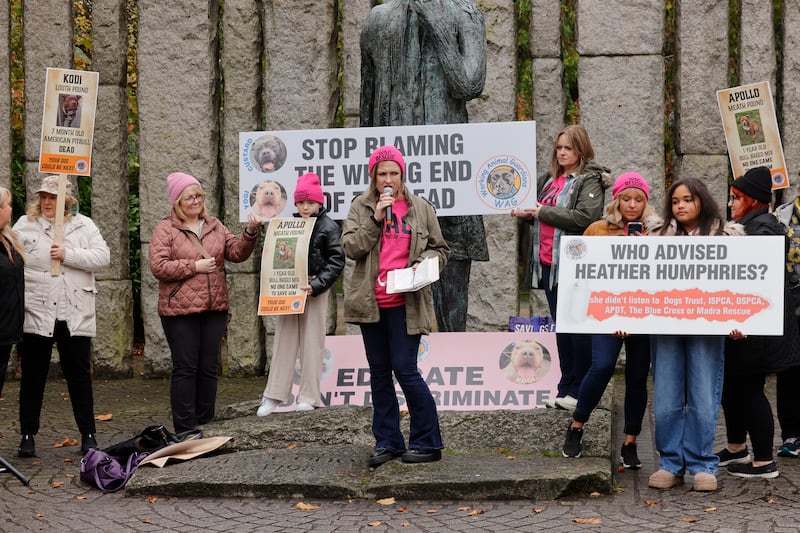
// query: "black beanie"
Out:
[756,183]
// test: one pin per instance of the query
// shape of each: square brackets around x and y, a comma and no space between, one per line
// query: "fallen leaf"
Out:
[36,463]
[594,494]
[405,524]
[709,509]
[306,506]
[39,515]
[587,520]
[68,460]
[66,442]
[375,524]
[152,499]
[70,475]
[771,500]
[511,458]
[58,484]
[104,418]
[386,501]
[402,509]
[80,497]
[432,511]
[650,502]
[476,512]
[537,511]
[690,519]
[404,412]
[147,521]
[620,468]
[31,492]
[464,508]
[292,446]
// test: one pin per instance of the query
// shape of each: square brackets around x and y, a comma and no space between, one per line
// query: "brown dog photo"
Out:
[69,115]
[268,199]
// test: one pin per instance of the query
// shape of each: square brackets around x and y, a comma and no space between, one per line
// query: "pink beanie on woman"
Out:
[387,153]
[177,182]
[308,188]
[631,180]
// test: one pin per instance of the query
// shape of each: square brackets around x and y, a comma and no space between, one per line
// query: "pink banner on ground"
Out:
[465,371]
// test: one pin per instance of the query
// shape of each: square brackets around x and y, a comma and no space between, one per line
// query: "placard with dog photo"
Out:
[70,98]
[751,131]
[284,266]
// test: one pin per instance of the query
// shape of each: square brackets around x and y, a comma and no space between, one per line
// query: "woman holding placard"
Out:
[59,309]
[688,369]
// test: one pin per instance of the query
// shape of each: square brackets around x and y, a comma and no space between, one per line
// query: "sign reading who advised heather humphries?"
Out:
[671,285]
[465,371]
[462,169]
[70,99]
[751,131]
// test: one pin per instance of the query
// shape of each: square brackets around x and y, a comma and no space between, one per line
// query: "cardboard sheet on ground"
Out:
[671,285]
[183,451]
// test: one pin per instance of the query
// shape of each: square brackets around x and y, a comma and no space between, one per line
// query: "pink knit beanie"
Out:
[387,153]
[631,180]
[177,182]
[308,188]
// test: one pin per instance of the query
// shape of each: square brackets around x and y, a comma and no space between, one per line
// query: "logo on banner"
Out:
[576,248]
[503,182]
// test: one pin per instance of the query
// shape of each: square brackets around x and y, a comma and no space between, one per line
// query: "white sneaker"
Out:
[567,402]
[267,406]
[303,406]
[550,404]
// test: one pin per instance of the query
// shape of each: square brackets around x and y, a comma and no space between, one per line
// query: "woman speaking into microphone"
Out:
[386,231]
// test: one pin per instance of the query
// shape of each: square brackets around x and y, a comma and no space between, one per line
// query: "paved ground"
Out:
[57,501]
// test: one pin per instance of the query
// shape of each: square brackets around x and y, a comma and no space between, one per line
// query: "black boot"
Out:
[87,443]
[27,448]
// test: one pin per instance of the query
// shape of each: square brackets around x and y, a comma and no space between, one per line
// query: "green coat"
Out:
[361,239]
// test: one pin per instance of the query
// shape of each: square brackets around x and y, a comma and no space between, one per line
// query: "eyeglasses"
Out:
[194,199]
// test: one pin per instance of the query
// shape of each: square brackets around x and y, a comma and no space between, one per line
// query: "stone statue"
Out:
[421,61]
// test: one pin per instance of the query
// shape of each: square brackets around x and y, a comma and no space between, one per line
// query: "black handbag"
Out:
[148,440]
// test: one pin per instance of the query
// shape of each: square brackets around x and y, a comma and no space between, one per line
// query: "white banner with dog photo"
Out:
[751,131]
[671,285]
[462,169]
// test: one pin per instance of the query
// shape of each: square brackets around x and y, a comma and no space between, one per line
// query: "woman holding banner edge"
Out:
[626,214]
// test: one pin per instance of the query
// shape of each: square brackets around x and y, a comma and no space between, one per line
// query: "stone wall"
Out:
[275,65]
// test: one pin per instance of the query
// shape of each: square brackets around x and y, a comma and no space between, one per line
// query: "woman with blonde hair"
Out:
[59,310]
[12,285]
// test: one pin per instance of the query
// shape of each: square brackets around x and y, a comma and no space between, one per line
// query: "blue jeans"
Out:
[574,349]
[605,351]
[390,349]
[687,376]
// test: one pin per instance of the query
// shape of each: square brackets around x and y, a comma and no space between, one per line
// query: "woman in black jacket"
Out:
[748,359]
[12,285]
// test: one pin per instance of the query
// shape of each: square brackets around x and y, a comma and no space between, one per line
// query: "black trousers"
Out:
[74,355]
[747,411]
[194,342]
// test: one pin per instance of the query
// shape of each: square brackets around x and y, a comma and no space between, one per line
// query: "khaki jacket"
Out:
[361,239]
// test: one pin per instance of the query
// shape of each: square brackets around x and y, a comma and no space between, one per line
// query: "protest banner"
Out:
[671,285]
[70,99]
[465,371]
[284,266]
[462,169]
[751,131]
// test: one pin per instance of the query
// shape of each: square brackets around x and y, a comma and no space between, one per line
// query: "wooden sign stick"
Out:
[55,265]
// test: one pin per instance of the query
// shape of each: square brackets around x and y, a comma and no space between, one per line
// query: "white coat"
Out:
[87,252]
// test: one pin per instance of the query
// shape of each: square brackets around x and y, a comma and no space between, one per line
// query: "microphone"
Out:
[388,190]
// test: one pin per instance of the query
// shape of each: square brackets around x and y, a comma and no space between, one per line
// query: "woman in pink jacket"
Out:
[187,254]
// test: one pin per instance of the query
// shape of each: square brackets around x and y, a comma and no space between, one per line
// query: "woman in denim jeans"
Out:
[688,369]
[629,205]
